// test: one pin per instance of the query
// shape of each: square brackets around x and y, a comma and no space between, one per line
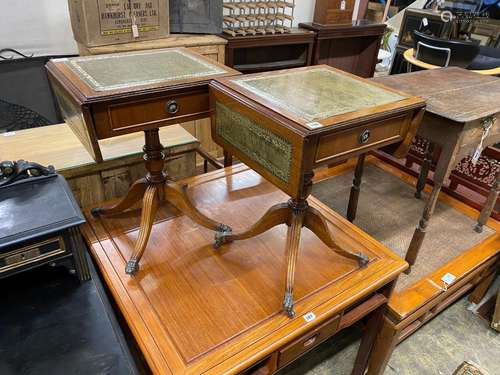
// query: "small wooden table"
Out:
[352,47]
[193,310]
[110,95]
[460,105]
[284,124]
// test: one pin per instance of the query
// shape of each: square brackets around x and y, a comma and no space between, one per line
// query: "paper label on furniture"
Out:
[9,134]
[448,279]
[314,125]
[135,31]
[309,317]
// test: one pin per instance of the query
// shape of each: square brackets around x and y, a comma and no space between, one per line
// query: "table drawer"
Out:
[32,253]
[127,116]
[362,138]
[308,341]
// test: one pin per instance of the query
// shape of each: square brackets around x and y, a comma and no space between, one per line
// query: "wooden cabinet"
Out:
[352,47]
[328,12]
[260,53]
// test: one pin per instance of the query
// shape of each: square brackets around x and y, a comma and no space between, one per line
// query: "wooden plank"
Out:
[93,182]
[175,40]
[58,146]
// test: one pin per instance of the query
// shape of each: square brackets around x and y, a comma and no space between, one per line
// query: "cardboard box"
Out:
[102,22]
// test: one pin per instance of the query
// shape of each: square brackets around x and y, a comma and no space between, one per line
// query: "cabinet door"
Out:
[196,16]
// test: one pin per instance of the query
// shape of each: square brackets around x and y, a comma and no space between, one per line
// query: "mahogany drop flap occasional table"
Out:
[284,124]
[109,95]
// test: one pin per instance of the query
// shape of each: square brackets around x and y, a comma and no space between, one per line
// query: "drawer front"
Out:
[30,254]
[308,341]
[347,143]
[135,115]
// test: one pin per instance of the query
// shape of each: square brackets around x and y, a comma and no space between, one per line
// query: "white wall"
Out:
[304,11]
[39,27]
[42,27]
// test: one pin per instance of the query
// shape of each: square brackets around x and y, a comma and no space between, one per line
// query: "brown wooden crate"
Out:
[103,22]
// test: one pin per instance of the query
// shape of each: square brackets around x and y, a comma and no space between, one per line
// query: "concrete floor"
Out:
[438,348]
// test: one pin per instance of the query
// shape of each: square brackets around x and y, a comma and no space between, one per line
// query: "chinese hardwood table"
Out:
[195,311]
[109,95]
[463,111]
[284,124]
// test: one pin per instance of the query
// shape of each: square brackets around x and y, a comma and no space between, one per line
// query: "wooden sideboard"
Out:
[352,47]
[211,46]
[93,182]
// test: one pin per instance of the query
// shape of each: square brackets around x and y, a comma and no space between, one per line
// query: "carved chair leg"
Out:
[355,189]
[292,250]
[133,196]
[424,170]
[177,195]
[150,205]
[488,207]
[317,224]
[276,215]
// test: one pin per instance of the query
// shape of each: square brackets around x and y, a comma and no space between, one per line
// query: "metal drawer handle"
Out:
[310,341]
[172,107]
[364,136]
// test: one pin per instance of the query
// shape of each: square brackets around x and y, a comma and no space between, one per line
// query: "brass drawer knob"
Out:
[172,107]
[364,136]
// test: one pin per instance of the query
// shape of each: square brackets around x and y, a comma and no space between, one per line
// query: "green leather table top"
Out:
[123,71]
[315,94]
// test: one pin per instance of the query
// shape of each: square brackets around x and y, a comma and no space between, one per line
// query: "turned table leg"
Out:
[355,189]
[424,170]
[419,234]
[488,207]
[444,167]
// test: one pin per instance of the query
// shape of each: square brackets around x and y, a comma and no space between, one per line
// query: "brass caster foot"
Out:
[478,228]
[95,212]
[132,267]
[220,235]
[288,305]
[363,260]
